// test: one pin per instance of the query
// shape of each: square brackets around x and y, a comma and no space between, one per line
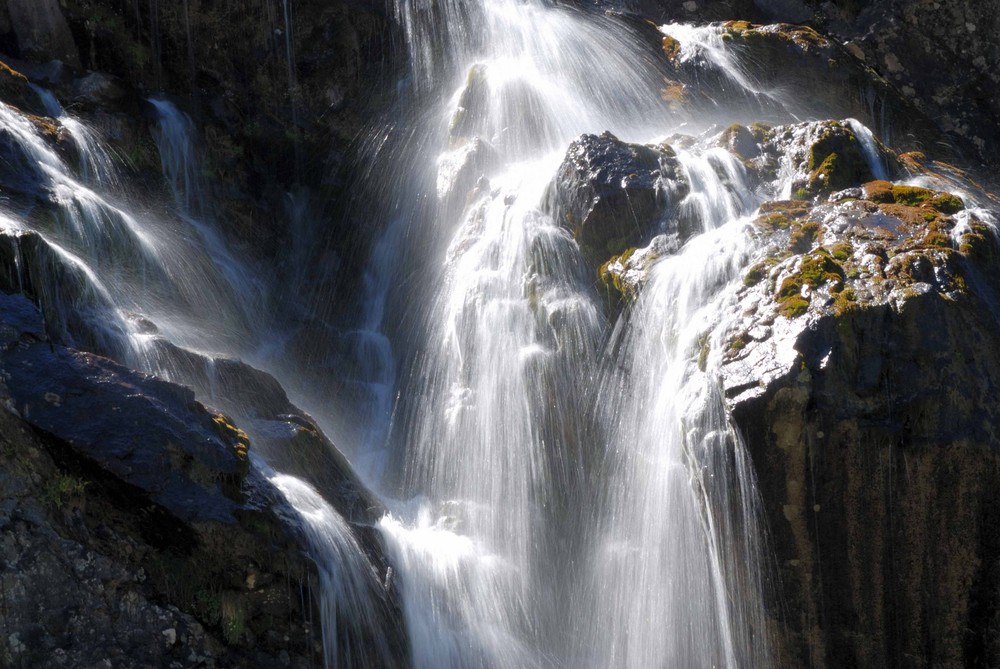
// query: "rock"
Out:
[187,460]
[42,31]
[828,81]
[611,195]
[287,437]
[100,90]
[738,139]
[154,491]
[823,156]
[864,383]
[15,90]
[621,278]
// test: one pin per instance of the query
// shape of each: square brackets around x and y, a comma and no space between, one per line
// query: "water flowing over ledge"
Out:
[594,243]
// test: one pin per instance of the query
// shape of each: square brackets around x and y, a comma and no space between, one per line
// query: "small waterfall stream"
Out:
[121,283]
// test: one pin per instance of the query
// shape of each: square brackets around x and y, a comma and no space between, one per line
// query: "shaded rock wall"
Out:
[879,468]
[132,534]
[940,55]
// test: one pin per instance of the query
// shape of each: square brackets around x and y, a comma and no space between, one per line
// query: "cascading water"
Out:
[120,284]
[571,493]
[677,543]
[559,518]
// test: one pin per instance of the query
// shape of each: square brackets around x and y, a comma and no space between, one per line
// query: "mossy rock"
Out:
[793,307]
[671,49]
[836,162]
[738,140]
[803,236]
[16,91]
[820,268]
[884,192]
[611,282]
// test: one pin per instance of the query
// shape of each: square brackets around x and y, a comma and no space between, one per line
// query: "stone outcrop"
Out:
[862,367]
[612,195]
[863,373]
[915,47]
[133,532]
[41,30]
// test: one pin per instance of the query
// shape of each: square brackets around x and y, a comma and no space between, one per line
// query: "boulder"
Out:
[863,372]
[125,485]
[612,195]
[118,485]
[42,31]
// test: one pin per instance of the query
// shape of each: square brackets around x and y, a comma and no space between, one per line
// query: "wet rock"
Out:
[823,156]
[151,434]
[15,90]
[622,277]
[42,31]
[828,80]
[738,139]
[130,521]
[864,382]
[285,435]
[100,90]
[611,195]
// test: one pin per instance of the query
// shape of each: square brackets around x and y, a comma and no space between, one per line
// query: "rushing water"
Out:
[564,491]
[574,501]
[139,287]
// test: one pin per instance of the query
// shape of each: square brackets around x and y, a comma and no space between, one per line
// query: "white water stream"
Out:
[576,503]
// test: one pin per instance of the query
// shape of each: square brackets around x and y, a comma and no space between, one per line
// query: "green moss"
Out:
[803,236]
[790,287]
[841,251]
[979,244]
[736,345]
[938,239]
[884,192]
[760,131]
[845,301]
[911,195]
[773,222]
[757,273]
[793,307]
[947,203]
[62,489]
[819,268]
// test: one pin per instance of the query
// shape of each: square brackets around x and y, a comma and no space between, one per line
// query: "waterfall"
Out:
[676,549]
[571,501]
[118,280]
[564,486]
[174,134]
[352,629]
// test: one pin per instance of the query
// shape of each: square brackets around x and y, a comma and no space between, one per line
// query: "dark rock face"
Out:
[125,503]
[864,377]
[287,437]
[190,462]
[878,465]
[41,30]
[611,195]
[915,46]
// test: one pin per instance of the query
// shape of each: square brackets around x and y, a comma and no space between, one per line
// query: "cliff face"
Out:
[133,532]
[861,368]
[878,465]
[917,45]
